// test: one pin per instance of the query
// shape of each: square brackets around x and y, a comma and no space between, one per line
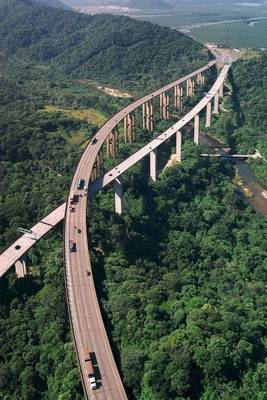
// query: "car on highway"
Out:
[80,184]
[89,369]
[72,246]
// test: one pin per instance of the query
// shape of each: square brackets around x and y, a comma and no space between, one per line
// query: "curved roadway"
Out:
[114,173]
[26,241]
[85,315]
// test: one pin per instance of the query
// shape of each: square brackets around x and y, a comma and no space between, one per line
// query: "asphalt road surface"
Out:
[85,315]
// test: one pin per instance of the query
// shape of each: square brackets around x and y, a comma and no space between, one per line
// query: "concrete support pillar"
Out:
[196,129]
[153,165]
[164,104]
[208,115]
[221,90]
[178,146]
[112,144]
[178,96]
[21,268]
[144,115]
[98,167]
[190,87]
[118,196]
[199,78]
[202,79]
[129,126]
[148,116]
[216,103]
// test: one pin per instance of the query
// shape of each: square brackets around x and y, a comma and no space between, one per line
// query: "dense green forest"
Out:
[119,50]
[182,274]
[250,85]
[185,277]
[243,126]
[52,62]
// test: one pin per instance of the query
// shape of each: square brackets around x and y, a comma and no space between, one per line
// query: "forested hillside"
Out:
[53,3]
[185,279]
[243,125]
[50,107]
[43,92]
[250,85]
[119,50]
[182,274]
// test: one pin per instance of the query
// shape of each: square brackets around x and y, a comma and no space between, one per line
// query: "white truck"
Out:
[89,369]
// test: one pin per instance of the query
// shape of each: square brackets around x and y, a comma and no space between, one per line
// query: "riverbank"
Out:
[247,184]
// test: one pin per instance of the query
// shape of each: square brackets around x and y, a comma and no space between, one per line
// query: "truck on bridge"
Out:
[89,368]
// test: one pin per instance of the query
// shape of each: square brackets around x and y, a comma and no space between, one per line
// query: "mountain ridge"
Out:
[113,48]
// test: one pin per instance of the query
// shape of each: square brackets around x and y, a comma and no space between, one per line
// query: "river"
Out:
[254,193]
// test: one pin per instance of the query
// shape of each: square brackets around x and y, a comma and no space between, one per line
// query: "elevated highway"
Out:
[84,311]
[114,173]
[15,252]
[88,327]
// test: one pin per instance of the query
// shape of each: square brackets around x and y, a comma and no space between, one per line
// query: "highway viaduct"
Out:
[84,311]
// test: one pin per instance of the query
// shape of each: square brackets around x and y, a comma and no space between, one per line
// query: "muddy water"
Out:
[257,194]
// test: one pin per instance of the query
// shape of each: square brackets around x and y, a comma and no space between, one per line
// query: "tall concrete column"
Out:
[199,78]
[129,125]
[153,164]
[189,87]
[202,79]
[148,116]
[164,104]
[181,97]
[178,146]
[112,143]
[178,93]
[216,103]
[98,167]
[192,88]
[161,105]
[196,129]
[208,115]
[221,90]
[144,116]
[118,196]
[21,268]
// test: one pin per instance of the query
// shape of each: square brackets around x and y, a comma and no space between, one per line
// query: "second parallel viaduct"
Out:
[85,316]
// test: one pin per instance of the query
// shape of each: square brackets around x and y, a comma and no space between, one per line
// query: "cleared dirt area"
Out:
[90,115]
[114,92]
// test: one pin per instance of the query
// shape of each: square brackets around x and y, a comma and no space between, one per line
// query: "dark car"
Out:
[72,246]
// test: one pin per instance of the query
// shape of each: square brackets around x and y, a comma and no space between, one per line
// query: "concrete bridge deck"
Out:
[84,311]
[14,252]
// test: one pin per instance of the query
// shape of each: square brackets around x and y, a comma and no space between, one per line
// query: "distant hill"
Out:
[148,4]
[109,48]
[53,3]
